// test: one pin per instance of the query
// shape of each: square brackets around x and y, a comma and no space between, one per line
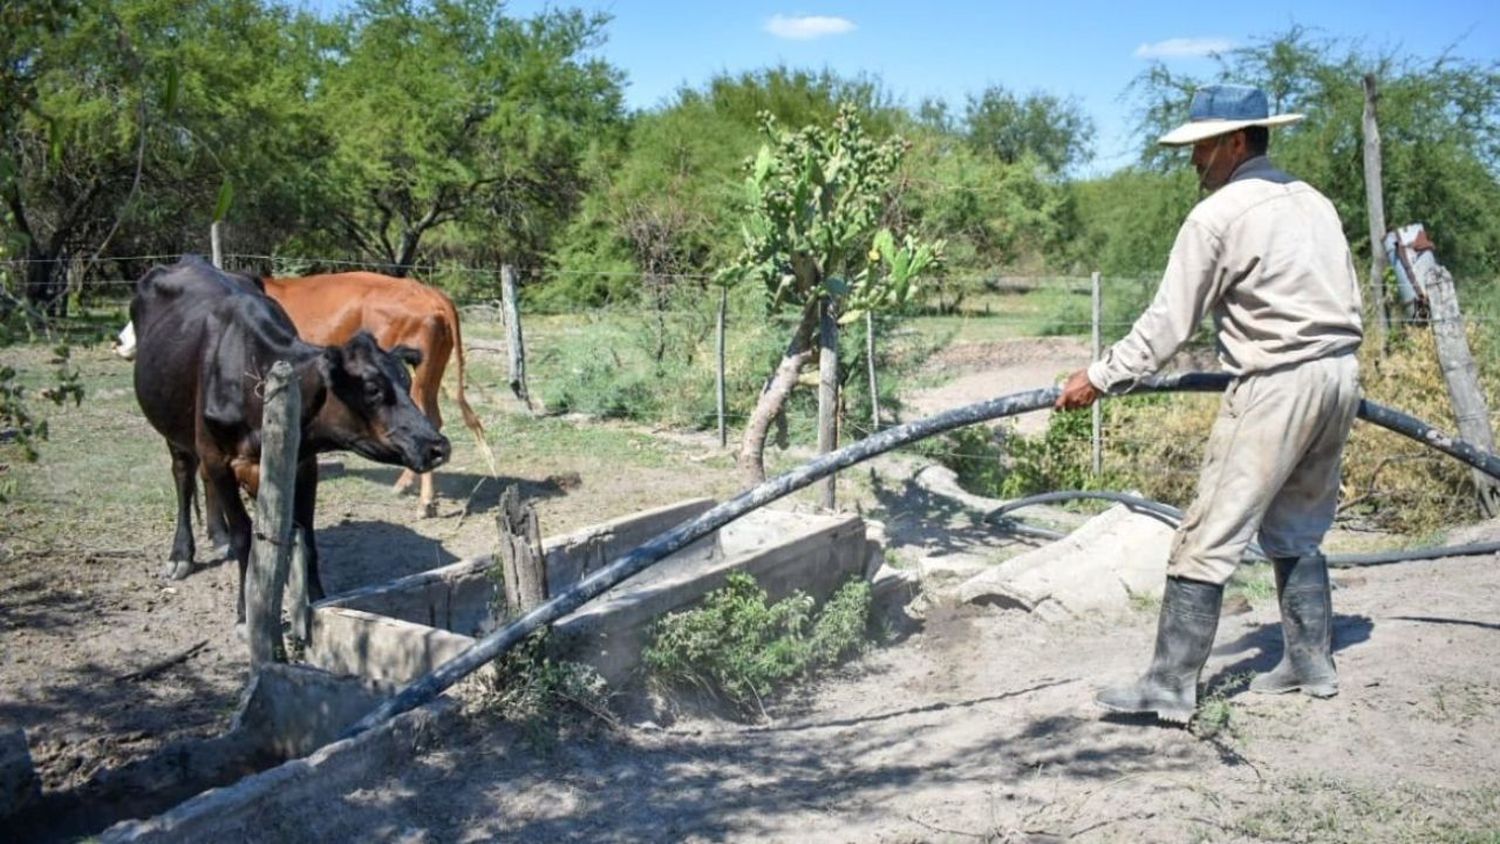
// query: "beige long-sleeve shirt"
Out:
[1266,255]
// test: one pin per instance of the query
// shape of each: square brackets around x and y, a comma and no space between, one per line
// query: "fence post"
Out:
[1096,434]
[271,547]
[1375,202]
[723,308]
[828,388]
[213,245]
[870,363]
[1456,361]
[511,309]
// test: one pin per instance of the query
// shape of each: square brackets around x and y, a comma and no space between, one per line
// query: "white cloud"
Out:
[807,27]
[1177,48]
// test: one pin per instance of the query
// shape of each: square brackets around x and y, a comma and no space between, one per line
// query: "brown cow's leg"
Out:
[426,383]
[238,522]
[184,467]
[213,521]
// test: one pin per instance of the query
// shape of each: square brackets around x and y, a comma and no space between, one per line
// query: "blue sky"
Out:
[951,48]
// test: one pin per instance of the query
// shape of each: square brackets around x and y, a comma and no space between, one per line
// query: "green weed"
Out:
[532,688]
[738,647]
[1215,716]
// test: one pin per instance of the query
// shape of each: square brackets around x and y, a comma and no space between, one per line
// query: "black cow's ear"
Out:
[333,359]
[412,357]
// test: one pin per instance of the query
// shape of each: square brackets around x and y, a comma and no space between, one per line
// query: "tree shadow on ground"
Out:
[1261,645]
[733,783]
[356,553]
[920,518]
[37,604]
[472,492]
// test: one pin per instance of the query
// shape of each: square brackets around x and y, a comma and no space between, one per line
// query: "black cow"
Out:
[205,340]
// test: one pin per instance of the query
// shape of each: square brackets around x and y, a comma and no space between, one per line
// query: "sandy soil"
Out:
[968,724]
[979,726]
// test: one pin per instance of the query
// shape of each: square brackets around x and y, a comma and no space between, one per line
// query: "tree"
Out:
[125,121]
[1053,130]
[663,209]
[1439,126]
[451,112]
[814,201]
[993,215]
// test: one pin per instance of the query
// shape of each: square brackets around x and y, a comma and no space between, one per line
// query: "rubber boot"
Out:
[1307,629]
[1184,635]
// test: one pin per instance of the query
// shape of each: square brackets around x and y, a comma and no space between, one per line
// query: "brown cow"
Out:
[329,309]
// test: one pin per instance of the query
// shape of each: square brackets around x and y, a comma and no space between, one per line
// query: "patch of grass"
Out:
[1463,703]
[1215,716]
[1256,582]
[1145,602]
[1322,808]
[738,647]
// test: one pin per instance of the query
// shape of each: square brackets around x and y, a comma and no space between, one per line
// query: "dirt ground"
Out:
[968,723]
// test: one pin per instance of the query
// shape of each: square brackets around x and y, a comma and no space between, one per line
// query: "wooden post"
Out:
[271,548]
[1375,202]
[1457,362]
[213,244]
[828,388]
[522,564]
[512,311]
[723,308]
[1096,434]
[870,363]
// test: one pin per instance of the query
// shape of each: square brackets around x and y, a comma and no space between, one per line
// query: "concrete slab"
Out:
[1116,555]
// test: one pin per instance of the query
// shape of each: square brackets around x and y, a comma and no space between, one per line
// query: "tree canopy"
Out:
[418,132]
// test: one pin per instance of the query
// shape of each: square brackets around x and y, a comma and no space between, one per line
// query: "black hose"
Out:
[1173,516]
[638,559]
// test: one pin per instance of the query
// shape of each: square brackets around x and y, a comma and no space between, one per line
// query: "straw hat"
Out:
[1221,109]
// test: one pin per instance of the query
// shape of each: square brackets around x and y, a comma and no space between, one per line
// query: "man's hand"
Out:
[1079,392]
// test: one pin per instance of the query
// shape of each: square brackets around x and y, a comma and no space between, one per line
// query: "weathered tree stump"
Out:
[519,553]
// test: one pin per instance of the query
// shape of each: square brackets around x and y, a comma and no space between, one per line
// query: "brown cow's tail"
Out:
[471,419]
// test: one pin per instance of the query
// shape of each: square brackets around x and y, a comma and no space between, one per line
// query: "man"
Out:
[1266,256]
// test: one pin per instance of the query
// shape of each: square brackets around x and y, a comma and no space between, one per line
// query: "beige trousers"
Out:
[1272,461]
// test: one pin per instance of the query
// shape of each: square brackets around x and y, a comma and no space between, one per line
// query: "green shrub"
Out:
[529,686]
[738,647]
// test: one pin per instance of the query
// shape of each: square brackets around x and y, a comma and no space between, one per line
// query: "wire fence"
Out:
[654,361]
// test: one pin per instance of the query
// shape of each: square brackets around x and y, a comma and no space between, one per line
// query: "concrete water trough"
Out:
[403,629]
[365,643]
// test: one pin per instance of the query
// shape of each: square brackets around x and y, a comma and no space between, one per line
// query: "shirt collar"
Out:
[1251,167]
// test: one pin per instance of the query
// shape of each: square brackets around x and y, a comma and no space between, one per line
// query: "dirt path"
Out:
[980,727]
[973,372]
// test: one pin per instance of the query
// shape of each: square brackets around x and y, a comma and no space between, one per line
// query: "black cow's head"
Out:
[369,408]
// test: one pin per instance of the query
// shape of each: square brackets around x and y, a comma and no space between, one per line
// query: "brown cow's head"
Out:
[369,408]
